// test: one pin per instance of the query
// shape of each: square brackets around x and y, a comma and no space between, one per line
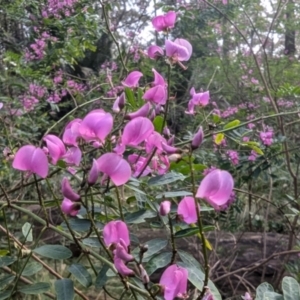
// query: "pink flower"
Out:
[69,207]
[32,159]
[233,156]
[267,137]
[179,50]
[93,174]
[247,296]
[97,124]
[114,231]
[154,52]
[197,139]
[136,131]
[115,167]
[164,22]
[174,282]
[71,132]
[73,156]
[216,188]
[142,112]
[132,80]
[164,208]
[187,210]
[55,146]
[121,251]
[67,190]
[138,163]
[200,99]
[122,268]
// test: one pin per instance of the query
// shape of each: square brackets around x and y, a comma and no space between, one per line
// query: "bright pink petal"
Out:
[73,156]
[21,160]
[159,23]
[155,51]
[70,208]
[176,52]
[187,210]
[158,79]
[55,146]
[121,267]
[136,131]
[67,190]
[122,253]
[71,132]
[142,112]
[132,80]
[197,139]
[157,94]
[184,43]
[94,173]
[119,103]
[114,231]
[117,168]
[216,188]
[170,19]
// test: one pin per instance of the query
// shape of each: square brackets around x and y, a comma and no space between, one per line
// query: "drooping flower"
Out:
[164,208]
[197,139]
[69,207]
[132,80]
[119,103]
[141,112]
[93,174]
[187,210]
[121,251]
[67,190]
[174,282]
[164,22]
[179,50]
[216,188]
[96,125]
[32,159]
[114,231]
[115,167]
[55,146]
[155,51]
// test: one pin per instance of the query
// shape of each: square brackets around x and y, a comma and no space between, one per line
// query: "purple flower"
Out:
[142,112]
[32,159]
[119,103]
[122,268]
[197,139]
[179,50]
[114,231]
[216,188]
[67,190]
[55,146]
[174,282]
[155,52]
[69,207]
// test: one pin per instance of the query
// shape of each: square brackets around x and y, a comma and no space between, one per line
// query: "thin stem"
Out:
[119,204]
[174,250]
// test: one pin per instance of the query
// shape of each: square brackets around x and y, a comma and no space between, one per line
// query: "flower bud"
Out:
[93,174]
[164,208]
[144,275]
[197,139]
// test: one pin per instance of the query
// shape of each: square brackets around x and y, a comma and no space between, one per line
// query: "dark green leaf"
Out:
[186,232]
[5,295]
[158,261]
[139,216]
[6,281]
[36,288]
[64,289]
[6,261]
[92,242]
[101,278]
[165,179]
[81,274]
[173,194]
[154,246]
[54,251]
[32,268]
[79,225]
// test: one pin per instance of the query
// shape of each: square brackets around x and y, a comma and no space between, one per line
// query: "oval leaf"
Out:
[32,268]
[158,261]
[81,274]
[64,289]
[36,288]
[54,251]
[27,232]
[232,124]
[101,278]
[290,288]
[6,261]
[219,138]
[158,123]
[165,179]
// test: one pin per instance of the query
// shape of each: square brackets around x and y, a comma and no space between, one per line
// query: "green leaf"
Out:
[6,261]
[173,194]
[81,274]
[130,97]
[262,289]
[219,138]
[79,225]
[165,179]
[139,216]
[5,295]
[154,246]
[272,296]
[6,281]
[64,289]
[290,288]
[232,124]
[54,251]
[36,288]
[32,268]
[158,261]
[27,232]
[257,150]
[158,123]
[101,278]
[186,232]
[92,242]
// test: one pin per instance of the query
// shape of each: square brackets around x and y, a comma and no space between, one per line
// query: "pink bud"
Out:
[30,158]
[94,173]
[216,188]
[132,80]
[119,103]
[197,139]
[67,191]
[154,52]
[187,210]
[144,275]
[164,208]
